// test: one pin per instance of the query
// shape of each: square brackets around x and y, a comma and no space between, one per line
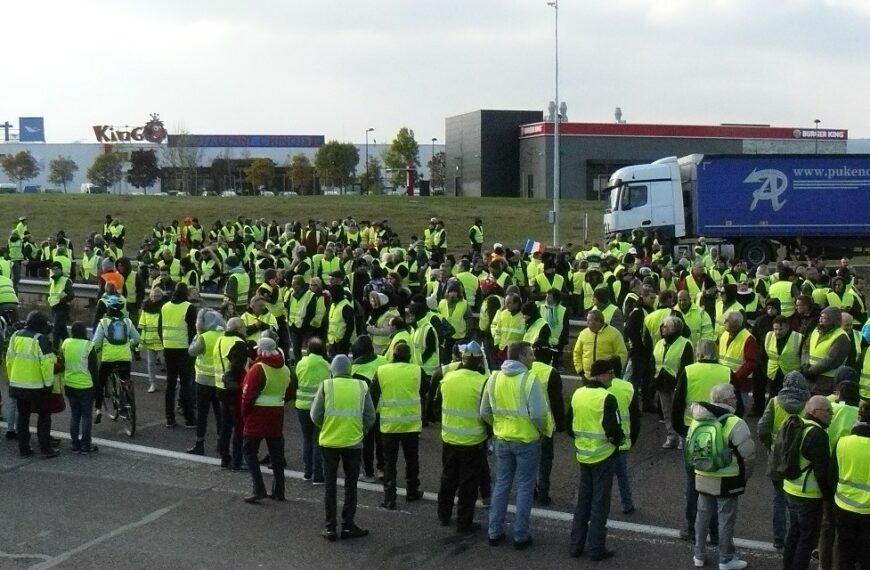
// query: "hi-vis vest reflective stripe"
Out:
[337,325]
[16,251]
[668,357]
[782,290]
[541,373]
[277,380]
[311,371]
[343,406]
[805,485]
[731,353]
[509,399]
[75,362]
[590,442]
[733,468]
[174,323]
[26,366]
[399,404]
[204,364]
[865,376]
[149,331]
[461,391]
[55,288]
[789,360]
[853,487]
[380,342]
[700,379]
[297,308]
[821,345]
[624,393]
[421,333]
[88,266]
[555,317]
[115,352]
[508,328]
[220,357]
[7,291]
[455,317]
[243,286]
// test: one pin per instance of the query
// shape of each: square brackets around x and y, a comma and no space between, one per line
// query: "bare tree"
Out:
[183,158]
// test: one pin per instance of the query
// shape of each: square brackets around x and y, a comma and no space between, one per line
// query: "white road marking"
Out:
[24,556]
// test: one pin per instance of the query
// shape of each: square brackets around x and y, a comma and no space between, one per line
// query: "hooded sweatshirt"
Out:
[537,406]
[742,446]
[791,398]
[206,321]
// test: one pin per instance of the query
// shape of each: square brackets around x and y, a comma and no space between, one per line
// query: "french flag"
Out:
[531,246]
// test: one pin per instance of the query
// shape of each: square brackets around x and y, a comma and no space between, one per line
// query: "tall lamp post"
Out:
[817,121]
[432,167]
[556,158]
[368,130]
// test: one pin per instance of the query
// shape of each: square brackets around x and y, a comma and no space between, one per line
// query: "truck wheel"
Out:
[755,253]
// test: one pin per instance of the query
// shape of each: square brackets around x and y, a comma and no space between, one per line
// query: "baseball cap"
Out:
[472,348]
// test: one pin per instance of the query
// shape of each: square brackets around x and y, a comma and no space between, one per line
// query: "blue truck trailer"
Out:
[758,204]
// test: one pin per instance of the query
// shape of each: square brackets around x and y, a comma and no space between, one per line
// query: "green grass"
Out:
[506,220]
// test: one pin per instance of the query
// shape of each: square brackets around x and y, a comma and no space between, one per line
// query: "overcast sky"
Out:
[337,67]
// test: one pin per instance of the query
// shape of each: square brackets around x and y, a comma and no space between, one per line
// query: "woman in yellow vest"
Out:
[114,337]
[310,371]
[672,354]
[79,371]
[149,331]
[851,471]
[209,328]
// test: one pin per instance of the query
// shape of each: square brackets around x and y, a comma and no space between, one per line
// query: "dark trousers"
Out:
[206,397]
[461,471]
[312,460]
[230,429]
[296,340]
[106,368]
[33,405]
[804,521]
[275,445]
[178,375]
[692,507]
[546,466]
[759,392]
[58,330]
[853,531]
[410,443]
[337,348]
[81,414]
[284,337]
[350,459]
[593,507]
[373,449]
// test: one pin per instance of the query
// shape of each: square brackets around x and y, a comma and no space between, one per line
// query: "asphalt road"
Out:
[143,502]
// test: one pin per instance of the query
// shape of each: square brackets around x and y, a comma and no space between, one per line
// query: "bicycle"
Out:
[123,401]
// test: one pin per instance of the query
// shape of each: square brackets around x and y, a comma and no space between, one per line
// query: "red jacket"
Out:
[260,421]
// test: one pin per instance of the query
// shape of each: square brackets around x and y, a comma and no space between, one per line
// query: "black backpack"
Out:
[786,455]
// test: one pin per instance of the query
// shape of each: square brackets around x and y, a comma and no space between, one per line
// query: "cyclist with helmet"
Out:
[113,337]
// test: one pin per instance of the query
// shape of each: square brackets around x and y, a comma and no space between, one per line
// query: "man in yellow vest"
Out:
[515,406]
[238,286]
[789,401]
[230,357]
[464,435]
[341,321]
[598,341]
[265,390]
[114,337]
[177,329]
[79,371]
[343,410]
[598,436]
[398,389]
[455,310]
[697,320]
[782,348]
[850,471]
[60,295]
[806,493]
[738,350]
[629,418]
[307,376]
[475,237]
[671,355]
[824,352]
[508,326]
[719,488]
[30,368]
[209,328]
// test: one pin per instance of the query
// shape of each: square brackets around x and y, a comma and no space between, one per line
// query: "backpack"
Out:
[707,447]
[116,332]
[786,455]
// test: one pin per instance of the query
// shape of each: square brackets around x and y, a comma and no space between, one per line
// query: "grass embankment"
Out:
[506,220]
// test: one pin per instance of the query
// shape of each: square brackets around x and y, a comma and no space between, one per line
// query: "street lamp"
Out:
[817,121]
[556,158]
[432,167]
[368,130]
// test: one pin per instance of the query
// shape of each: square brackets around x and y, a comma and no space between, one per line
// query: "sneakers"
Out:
[317,482]
[255,498]
[369,478]
[152,388]
[699,562]
[353,532]
[197,449]
[389,504]
[412,496]
[670,443]
[329,535]
[98,416]
[733,564]
[523,544]
[778,543]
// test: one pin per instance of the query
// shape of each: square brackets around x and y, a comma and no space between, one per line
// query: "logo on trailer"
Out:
[773,184]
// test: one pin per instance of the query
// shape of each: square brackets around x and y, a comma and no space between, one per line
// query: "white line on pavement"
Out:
[637,528]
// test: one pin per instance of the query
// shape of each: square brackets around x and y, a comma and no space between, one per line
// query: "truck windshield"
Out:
[611,195]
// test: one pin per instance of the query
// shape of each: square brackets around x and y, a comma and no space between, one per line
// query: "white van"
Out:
[88,188]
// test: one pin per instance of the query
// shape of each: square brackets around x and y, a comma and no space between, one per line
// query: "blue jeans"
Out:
[724,509]
[514,460]
[311,457]
[81,412]
[593,507]
[621,470]
[11,414]
[804,521]
[780,511]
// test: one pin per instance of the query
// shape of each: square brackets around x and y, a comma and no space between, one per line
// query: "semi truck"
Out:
[751,205]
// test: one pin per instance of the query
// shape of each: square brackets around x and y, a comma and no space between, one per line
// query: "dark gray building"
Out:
[482,152]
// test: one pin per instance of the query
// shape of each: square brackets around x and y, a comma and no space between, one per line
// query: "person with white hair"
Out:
[671,354]
[209,328]
[738,350]
[149,331]
[720,474]
[265,389]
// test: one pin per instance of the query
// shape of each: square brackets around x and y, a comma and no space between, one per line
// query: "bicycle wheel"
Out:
[128,406]
[115,398]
